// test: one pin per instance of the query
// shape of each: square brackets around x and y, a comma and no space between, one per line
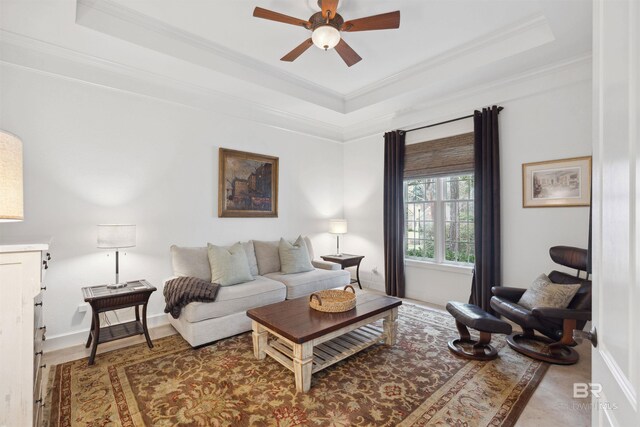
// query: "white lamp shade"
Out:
[337,226]
[325,37]
[11,184]
[114,236]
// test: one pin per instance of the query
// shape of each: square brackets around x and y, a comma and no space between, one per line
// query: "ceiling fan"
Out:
[326,26]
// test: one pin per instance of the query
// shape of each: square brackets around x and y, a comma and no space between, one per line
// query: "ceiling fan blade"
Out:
[385,21]
[299,50]
[259,12]
[329,5]
[348,55]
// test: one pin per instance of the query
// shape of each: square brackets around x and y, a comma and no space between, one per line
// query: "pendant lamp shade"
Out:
[11,181]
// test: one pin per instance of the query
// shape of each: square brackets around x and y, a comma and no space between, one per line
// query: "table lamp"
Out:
[11,188]
[338,227]
[116,236]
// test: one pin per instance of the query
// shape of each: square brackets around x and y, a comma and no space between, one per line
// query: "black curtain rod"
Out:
[445,122]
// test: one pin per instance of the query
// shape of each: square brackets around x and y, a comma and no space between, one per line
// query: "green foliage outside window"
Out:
[445,202]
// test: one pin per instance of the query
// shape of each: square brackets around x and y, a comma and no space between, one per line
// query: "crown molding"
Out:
[28,53]
[527,34]
[127,24]
[501,91]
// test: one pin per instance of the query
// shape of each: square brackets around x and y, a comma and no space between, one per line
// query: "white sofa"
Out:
[203,322]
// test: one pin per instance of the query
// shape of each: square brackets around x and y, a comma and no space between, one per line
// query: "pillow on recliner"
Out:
[544,293]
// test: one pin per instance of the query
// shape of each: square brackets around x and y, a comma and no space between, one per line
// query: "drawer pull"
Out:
[44,338]
[38,304]
[39,401]
[43,288]
[39,353]
[48,256]
[43,366]
[46,264]
[43,328]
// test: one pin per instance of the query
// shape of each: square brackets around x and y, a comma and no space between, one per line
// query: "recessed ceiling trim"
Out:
[506,42]
[28,53]
[533,82]
[24,52]
[119,21]
[127,24]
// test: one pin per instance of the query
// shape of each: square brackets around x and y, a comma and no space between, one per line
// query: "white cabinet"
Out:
[22,268]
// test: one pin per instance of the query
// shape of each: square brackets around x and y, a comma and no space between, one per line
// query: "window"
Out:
[439,219]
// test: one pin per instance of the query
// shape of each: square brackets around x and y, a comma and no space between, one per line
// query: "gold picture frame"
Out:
[247,184]
[557,183]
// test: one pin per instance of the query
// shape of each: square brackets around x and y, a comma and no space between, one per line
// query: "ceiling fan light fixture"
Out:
[325,37]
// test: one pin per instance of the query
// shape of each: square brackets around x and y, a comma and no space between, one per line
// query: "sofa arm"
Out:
[561,313]
[325,265]
[511,294]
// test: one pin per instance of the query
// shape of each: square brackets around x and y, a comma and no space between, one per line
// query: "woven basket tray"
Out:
[333,300]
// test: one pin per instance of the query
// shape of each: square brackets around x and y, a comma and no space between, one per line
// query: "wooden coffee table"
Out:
[306,341]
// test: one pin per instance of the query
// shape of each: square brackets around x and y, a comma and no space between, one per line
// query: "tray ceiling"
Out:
[219,48]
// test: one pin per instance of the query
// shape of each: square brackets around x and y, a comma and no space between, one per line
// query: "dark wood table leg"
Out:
[90,332]
[144,325]
[96,336]
[358,274]
[137,310]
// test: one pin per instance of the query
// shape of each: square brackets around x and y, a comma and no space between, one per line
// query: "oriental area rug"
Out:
[417,382]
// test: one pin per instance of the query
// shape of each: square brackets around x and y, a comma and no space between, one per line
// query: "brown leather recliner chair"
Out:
[557,324]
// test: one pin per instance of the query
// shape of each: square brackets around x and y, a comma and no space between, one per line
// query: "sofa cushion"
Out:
[237,298]
[229,266]
[194,261]
[267,256]
[301,284]
[191,262]
[294,258]
[307,241]
[251,257]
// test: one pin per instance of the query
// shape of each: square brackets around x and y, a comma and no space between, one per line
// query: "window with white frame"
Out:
[439,225]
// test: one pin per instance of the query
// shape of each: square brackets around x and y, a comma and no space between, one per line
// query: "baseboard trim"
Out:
[70,339]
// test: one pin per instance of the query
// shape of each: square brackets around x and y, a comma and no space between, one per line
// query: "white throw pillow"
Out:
[229,266]
[544,293]
[294,258]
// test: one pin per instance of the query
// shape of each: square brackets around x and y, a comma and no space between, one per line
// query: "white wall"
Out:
[545,125]
[94,155]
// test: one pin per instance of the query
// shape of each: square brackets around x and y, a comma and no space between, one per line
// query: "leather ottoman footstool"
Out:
[472,316]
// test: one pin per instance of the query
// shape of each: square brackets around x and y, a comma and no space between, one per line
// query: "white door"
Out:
[616,213]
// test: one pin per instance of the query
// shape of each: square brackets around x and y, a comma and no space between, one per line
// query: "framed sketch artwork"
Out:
[247,184]
[557,183]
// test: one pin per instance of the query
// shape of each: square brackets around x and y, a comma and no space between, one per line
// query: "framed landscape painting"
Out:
[247,184]
[557,183]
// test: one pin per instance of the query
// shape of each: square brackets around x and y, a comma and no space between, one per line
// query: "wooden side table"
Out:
[102,299]
[347,260]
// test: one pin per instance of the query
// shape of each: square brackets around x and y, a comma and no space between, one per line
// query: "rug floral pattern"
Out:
[416,382]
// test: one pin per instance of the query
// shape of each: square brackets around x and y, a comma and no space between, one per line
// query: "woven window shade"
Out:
[438,157]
